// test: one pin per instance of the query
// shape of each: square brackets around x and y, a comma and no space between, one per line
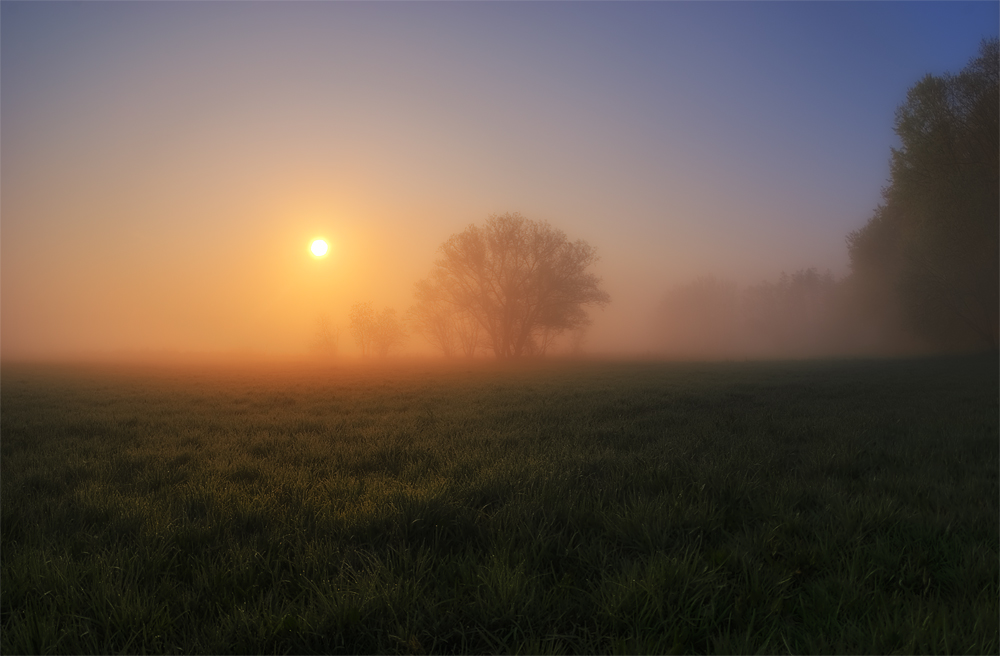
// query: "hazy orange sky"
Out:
[165,166]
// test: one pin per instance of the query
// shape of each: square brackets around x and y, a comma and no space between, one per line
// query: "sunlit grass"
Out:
[548,508]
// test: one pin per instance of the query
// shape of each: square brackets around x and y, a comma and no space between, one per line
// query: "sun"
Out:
[319,248]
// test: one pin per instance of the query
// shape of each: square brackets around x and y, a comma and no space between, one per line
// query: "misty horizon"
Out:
[167,167]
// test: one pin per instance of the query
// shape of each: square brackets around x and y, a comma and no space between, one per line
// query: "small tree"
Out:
[389,332]
[376,333]
[327,338]
[362,317]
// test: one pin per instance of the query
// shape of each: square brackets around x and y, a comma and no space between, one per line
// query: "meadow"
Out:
[475,507]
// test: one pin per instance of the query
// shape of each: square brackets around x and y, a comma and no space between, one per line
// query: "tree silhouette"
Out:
[519,282]
[362,318]
[376,333]
[445,326]
[389,332]
[327,337]
[931,249]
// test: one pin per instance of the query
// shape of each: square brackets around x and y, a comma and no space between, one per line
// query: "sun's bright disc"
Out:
[318,248]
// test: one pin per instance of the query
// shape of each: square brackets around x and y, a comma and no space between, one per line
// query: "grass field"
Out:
[560,507]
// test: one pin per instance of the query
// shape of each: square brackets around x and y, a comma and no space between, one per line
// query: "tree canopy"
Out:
[931,249]
[511,285]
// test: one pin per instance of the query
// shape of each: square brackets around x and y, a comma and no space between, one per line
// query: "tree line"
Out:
[797,315]
[927,260]
[924,269]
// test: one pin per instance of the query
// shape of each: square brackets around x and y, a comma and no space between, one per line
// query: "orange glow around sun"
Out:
[319,248]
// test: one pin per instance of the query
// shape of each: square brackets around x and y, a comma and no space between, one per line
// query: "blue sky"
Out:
[162,163]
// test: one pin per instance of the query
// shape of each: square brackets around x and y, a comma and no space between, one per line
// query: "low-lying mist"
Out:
[803,315]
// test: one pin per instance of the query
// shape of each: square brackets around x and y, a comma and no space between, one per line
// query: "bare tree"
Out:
[376,333]
[327,338]
[449,328]
[362,318]
[520,282]
[469,333]
[434,318]
[389,332]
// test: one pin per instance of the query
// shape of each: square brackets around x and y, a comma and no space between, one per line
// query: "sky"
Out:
[164,166]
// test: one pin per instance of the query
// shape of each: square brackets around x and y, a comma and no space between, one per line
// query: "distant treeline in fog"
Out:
[925,272]
[803,314]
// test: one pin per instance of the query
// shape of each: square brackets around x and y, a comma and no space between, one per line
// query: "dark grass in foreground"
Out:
[552,508]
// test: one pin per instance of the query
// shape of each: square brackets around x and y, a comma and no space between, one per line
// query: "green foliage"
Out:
[572,507]
[932,248]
